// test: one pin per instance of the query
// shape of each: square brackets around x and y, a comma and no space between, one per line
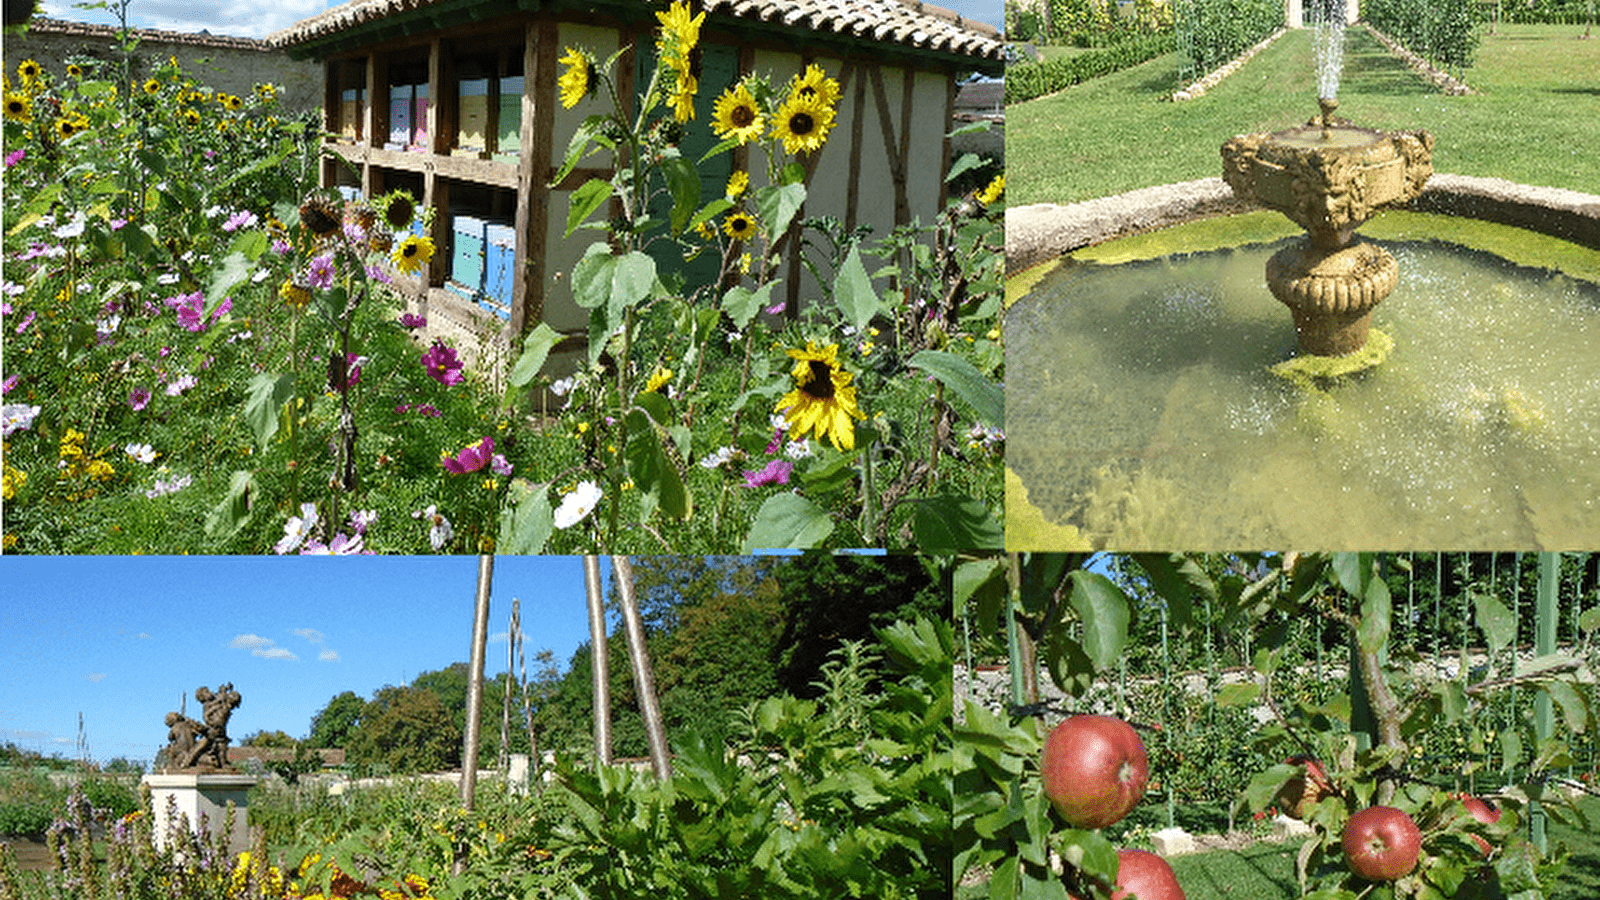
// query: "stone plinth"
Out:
[200,796]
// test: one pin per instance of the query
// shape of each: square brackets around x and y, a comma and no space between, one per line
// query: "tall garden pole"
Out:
[599,659]
[644,682]
[1166,710]
[480,642]
[1013,637]
[1544,643]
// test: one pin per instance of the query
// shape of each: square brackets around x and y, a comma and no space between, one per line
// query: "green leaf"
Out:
[1238,695]
[233,271]
[657,479]
[1177,578]
[949,524]
[983,581]
[853,292]
[250,243]
[742,304]
[683,183]
[578,147]
[227,517]
[527,523]
[1510,749]
[1570,701]
[265,396]
[1498,624]
[1589,620]
[603,279]
[1452,700]
[1373,632]
[1104,610]
[535,350]
[967,161]
[777,205]
[787,522]
[584,201]
[710,211]
[983,394]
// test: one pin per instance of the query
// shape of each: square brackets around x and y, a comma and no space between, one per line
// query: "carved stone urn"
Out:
[1328,177]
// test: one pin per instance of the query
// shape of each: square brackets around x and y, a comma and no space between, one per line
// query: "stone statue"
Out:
[202,746]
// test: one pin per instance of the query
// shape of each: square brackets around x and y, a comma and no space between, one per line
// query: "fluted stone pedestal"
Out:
[202,799]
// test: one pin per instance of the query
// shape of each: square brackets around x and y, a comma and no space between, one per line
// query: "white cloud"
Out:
[95,676]
[144,635]
[328,656]
[310,634]
[266,648]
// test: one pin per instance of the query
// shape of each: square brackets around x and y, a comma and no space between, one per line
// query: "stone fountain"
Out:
[1329,177]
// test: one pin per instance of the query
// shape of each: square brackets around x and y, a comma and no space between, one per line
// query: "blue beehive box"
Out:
[500,279]
[467,252]
[509,135]
[401,105]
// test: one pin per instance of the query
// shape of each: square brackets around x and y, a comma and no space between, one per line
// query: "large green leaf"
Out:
[585,200]
[264,398]
[853,292]
[949,524]
[603,279]
[234,270]
[229,516]
[787,522]
[777,206]
[1498,624]
[986,397]
[535,350]
[742,304]
[660,486]
[526,524]
[683,183]
[1104,611]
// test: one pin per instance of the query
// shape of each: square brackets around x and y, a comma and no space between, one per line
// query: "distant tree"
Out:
[404,730]
[450,686]
[332,726]
[124,766]
[270,739]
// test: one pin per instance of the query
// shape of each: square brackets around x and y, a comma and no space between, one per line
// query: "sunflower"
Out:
[738,116]
[412,254]
[191,118]
[75,70]
[679,34]
[990,194]
[574,83]
[399,211]
[152,86]
[317,214]
[232,102]
[682,99]
[739,226]
[30,71]
[738,183]
[823,400]
[803,123]
[18,107]
[67,126]
[815,83]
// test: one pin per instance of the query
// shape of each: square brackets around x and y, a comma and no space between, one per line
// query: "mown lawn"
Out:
[1536,119]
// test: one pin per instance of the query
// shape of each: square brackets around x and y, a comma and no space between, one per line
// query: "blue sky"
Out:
[120,639]
[245,18]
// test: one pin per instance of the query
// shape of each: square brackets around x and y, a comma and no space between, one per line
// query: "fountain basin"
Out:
[1141,415]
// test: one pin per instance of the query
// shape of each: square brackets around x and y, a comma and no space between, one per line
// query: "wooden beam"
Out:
[541,50]
[891,148]
[945,148]
[857,121]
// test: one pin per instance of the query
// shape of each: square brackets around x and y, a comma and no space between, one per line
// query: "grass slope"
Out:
[1534,121]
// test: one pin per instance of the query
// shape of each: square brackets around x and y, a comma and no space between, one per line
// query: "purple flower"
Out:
[281,247]
[15,157]
[362,519]
[407,320]
[181,384]
[191,310]
[223,308]
[139,398]
[376,273]
[26,321]
[442,364]
[320,274]
[471,458]
[500,465]
[241,219]
[118,224]
[163,488]
[341,545]
[776,472]
[8,384]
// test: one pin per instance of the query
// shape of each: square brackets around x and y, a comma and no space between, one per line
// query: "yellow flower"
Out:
[574,83]
[739,226]
[679,34]
[152,86]
[17,107]
[682,100]
[823,400]
[412,254]
[100,470]
[490,484]
[30,71]
[744,264]
[75,70]
[803,123]
[706,230]
[69,125]
[815,83]
[295,294]
[11,480]
[659,379]
[738,183]
[990,194]
[737,116]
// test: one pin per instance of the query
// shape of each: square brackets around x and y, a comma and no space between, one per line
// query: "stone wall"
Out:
[231,64]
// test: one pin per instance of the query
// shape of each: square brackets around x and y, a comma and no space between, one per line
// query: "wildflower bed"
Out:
[206,353]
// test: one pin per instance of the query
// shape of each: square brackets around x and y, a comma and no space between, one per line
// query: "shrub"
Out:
[1025,82]
[1444,32]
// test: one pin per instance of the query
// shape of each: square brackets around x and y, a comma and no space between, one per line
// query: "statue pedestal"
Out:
[200,796]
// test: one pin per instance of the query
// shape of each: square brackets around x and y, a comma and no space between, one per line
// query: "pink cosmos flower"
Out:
[407,320]
[191,310]
[341,545]
[320,273]
[241,219]
[500,465]
[281,247]
[181,384]
[776,472]
[139,398]
[15,157]
[442,364]
[26,321]
[376,273]
[362,519]
[471,458]
[5,388]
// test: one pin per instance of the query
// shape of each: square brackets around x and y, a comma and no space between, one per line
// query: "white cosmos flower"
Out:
[297,529]
[577,504]
[439,530]
[141,452]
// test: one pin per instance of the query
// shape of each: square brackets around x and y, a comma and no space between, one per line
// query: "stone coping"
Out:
[1040,232]
[192,779]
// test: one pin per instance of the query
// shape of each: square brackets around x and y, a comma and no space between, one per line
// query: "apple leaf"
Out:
[1498,624]
[1103,608]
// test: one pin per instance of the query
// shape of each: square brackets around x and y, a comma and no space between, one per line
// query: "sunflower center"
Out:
[742,116]
[802,123]
[409,250]
[820,385]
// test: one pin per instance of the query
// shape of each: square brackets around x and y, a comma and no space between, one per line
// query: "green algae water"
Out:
[1141,412]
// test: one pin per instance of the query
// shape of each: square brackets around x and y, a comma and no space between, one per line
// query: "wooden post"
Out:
[480,641]
[598,659]
[644,682]
[1544,643]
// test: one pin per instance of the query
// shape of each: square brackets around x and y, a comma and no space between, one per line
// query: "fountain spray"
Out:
[1328,50]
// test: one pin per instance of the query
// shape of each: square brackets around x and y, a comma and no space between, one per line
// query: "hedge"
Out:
[1030,80]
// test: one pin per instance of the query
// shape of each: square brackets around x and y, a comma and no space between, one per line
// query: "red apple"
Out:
[1095,770]
[1381,843]
[1301,792]
[1145,876]
[1484,813]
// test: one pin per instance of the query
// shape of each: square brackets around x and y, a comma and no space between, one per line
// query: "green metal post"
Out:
[1013,637]
[1166,711]
[1544,642]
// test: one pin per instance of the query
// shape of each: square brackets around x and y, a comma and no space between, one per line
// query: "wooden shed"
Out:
[456,101]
